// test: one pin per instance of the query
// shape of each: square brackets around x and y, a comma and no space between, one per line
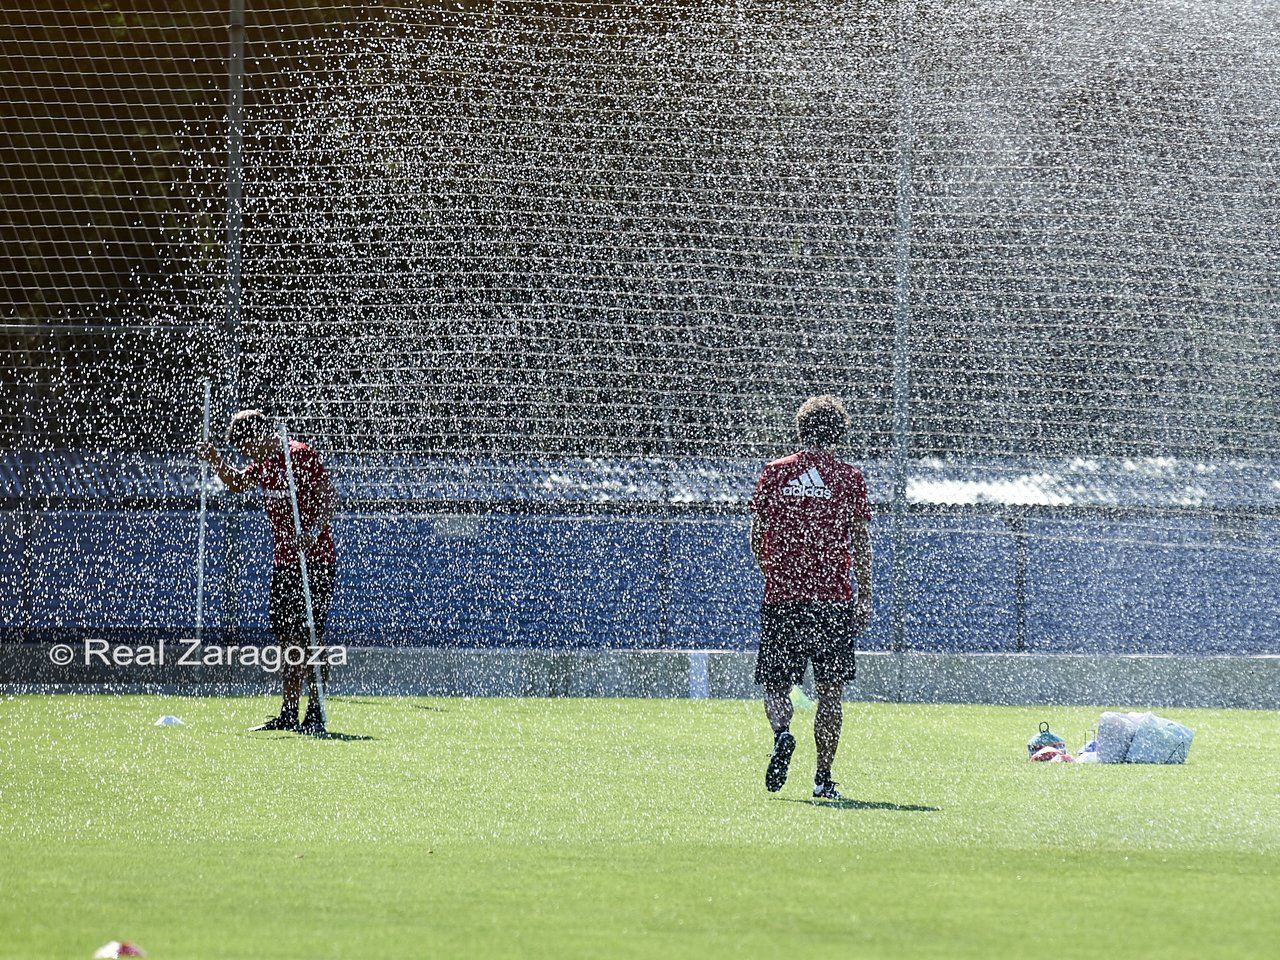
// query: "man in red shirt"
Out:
[251,435]
[809,516]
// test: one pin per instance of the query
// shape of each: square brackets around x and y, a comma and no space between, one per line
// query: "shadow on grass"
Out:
[334,735]
[850,804]
[293,735]
[380,702]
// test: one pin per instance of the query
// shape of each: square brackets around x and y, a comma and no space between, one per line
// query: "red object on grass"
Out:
[1053,755]
[118,948]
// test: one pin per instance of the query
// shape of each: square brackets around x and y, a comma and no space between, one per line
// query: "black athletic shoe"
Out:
[824,788]
[312,725]
[784,744]
[277,723]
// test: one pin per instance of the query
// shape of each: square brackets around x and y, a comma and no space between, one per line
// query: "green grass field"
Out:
[606,828]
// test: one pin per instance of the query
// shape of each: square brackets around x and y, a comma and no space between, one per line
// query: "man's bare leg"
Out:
[777,707]
[826,729]
[312,693]
[314,722]
[291,690]
[322,592]
[292,682]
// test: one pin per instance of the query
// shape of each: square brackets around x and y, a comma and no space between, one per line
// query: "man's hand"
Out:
[861,616]
[237,481]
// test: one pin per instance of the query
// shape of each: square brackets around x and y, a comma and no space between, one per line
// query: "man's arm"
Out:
[860,544]
[760,515]
[328,505]
[311,471]
[237,481]
[757,539]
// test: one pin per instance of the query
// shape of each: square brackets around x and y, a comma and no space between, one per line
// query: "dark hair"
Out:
[822,420]
[245,425]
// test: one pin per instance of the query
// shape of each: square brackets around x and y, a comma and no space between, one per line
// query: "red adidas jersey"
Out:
[809,502]
[310,476]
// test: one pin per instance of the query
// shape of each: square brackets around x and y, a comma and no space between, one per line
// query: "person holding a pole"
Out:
[809,517]
[299,500]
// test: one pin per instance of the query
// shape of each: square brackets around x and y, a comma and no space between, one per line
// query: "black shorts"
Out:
[288,607]
[794,634]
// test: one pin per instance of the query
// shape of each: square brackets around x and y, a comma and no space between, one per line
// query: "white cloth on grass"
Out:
[1159,740]
[1115,733]
[1141,738]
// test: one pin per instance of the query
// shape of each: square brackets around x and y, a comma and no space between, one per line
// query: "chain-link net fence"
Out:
[546,282]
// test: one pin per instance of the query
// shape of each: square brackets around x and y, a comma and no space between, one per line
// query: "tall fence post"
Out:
[1017,524]
[205,405]
[902,327]
[27,515]
[665,518]
[235,195]
[231,321]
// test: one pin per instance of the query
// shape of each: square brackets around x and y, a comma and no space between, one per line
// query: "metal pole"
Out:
[232,293]
[302,569]
[204,504]
[664,556]
[235,197]
[902,325]
[1021,563]
[26,514]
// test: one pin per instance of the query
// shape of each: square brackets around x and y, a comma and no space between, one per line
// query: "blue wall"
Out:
[500,580]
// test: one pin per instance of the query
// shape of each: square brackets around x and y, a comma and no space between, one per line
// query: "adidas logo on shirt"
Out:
[808,484]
